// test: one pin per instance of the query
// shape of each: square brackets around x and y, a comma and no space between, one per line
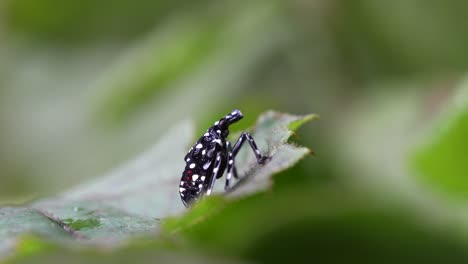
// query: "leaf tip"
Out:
[294,125]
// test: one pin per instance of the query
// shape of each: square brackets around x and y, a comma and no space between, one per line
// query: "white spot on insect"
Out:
[181,183]
[228,116]
[203,152]
[187,160]
[216,123]
[195,177]
[200,186]
[202,178]
[208,192]
[228,176]
[240,139]
[181,194]
[199,146]
[218,131]
[257,151]
[230,162]
[181,189]
[215,170]
[192,165]
[218,141]
[206,165]
[206,134]
[234,113]
[218,158]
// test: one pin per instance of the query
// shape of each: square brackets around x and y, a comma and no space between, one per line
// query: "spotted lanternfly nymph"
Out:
[207,160]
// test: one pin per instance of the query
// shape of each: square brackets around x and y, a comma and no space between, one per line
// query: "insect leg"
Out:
[231,167]
[247,137]
[217,165]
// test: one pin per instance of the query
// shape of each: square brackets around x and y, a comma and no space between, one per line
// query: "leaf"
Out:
[303,223]
[132,200]
[442,161]
[15,221]
[183,55]
[34,250]
[123,203]
[144,187]
[272,131]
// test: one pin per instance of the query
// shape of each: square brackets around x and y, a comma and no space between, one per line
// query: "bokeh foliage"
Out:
[86,85]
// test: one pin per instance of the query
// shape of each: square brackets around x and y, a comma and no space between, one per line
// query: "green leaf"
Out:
[301,223]
[442,161]
[271,134]
[144,187]
[16,221]
[184,53]
[132,200]
[123,203]
[82,223]
[141,252]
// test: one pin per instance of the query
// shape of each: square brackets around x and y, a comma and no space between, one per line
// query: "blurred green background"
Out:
[87,85]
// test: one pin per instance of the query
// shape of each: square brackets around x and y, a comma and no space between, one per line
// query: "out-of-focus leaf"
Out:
[294,225]
[271,134]
[178,62]
[374,137]
[15,221]
[125,202]
[84,86]
[35,250]
[443,160]
[300,224]
[143,187]
[79,22]
[405,37]
[131,200]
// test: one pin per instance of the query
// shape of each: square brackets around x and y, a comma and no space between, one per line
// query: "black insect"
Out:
[210,156]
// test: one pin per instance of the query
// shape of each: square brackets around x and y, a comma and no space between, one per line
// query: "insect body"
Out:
[207,160]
